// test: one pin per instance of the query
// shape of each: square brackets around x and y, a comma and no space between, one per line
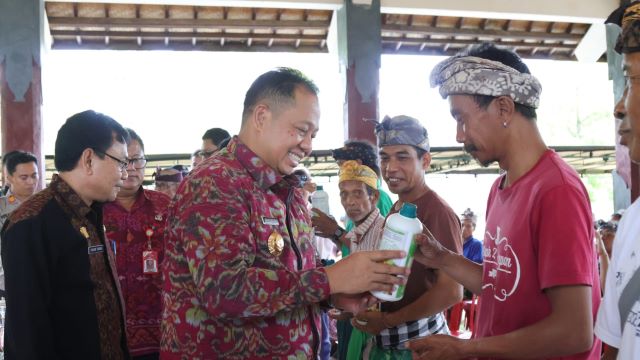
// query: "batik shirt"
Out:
[127,234]
[230,292]
[63,298]
[8,203]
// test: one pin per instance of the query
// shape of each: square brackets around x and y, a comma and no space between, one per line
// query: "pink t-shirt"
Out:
[538,235]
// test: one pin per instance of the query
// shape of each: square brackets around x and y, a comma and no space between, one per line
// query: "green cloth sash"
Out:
[350,340]
[382,354]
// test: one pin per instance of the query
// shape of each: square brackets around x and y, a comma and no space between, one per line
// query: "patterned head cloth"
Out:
[366,153]
[628,18]
[351,170]
[169,175]
[402,130]
[469,215]
[470,75]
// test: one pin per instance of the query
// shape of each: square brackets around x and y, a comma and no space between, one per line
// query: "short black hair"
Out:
[133,136]
[19,157]
[508,57]
[372,160]
[216,135]
[278,87]
[9,154]
[86,130]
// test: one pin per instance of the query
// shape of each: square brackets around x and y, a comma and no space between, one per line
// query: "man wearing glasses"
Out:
[135,224]
[63,298]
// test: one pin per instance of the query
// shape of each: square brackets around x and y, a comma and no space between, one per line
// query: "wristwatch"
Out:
[339,232]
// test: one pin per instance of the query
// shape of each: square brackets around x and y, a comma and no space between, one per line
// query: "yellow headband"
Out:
[351,170]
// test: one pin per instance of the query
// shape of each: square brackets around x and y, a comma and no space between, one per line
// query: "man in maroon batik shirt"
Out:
[241,279]
[135,224]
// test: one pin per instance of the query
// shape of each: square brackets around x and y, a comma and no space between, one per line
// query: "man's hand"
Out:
[437,347]
[366,271]
[431,253]
[324,225]
[336,314]
[371,322]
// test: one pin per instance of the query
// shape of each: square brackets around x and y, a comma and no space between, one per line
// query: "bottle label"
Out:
[393,239]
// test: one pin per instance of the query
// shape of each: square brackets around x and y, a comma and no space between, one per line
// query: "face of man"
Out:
[196,159]
[208,148]
[620,113]
[285,135]
[135,172]
[24,180]
[402,170]
[467,228]
[107,175]
[631,69]
[167,187]
[476,128]
[356,201]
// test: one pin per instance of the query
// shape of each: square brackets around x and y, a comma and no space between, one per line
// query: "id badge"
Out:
[150,262]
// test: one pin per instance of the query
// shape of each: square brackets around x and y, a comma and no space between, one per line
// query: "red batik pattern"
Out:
[226,295]
[141,292]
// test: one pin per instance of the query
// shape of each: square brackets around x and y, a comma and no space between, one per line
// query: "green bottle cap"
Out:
[408,210]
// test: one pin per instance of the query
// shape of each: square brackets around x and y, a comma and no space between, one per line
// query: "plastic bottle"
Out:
[399,233]
[320,200]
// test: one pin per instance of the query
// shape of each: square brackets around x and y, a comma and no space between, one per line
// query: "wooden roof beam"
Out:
[445,42]
[183,35]
[187,23]
[498,34]
[580,11]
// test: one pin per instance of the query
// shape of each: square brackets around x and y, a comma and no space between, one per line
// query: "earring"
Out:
[504,124]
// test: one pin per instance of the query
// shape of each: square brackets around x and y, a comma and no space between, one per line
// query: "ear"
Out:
[261,115]
[86,161]
[426,161]
[506,109]
[375,196]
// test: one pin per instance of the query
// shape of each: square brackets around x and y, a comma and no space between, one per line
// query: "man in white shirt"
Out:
[618,322]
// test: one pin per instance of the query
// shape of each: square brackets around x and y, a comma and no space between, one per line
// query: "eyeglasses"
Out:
[122,165]
[138,163]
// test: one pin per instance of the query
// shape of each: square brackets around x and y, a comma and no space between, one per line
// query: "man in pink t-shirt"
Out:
[538,287]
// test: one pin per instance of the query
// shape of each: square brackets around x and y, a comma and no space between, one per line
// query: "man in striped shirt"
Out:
[359,196]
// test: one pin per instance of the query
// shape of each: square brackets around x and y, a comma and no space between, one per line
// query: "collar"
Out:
[264,175]
[12,199]
[142,197]
[365,225]
[71,198]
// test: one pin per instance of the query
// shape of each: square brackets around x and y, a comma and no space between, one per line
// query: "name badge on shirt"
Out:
[96,249]
[150,262]
[270,221]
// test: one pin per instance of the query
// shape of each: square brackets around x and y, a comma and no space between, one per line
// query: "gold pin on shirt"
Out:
[275,243]
[84,232]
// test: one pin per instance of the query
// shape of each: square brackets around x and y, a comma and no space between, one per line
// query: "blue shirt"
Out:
[472,249]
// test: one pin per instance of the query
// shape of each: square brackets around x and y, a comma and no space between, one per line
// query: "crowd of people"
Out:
[231,260]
